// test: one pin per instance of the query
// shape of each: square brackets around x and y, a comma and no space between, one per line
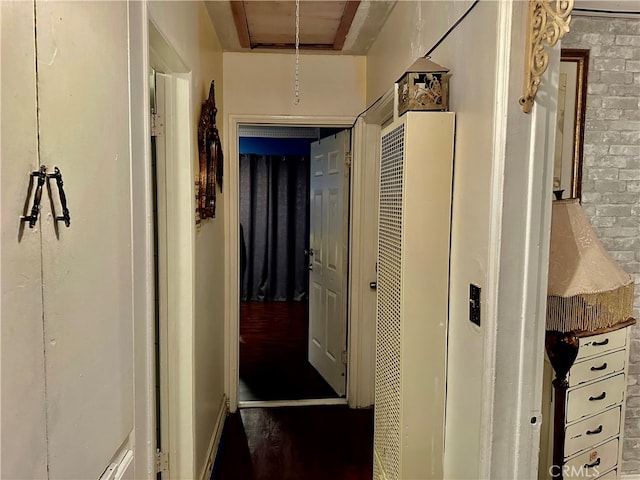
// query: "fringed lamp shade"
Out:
[587,289]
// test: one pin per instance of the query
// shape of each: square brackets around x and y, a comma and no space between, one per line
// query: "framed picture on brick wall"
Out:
[572,103]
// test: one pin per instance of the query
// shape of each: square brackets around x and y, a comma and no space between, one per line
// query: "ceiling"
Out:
[339,27]
[344,27]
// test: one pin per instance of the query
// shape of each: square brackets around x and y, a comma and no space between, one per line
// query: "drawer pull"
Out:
[599,344]
[599,397]
[594,464]
[601,367]
[594,432]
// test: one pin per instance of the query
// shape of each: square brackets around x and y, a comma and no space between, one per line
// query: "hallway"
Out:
[296,443]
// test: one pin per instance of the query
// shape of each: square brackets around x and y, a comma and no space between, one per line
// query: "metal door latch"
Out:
[41,175]
[65,217]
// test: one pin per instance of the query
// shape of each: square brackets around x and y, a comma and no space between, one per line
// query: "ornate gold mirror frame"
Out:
[548,22]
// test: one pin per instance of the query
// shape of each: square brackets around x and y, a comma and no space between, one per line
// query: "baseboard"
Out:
[214,443]
[630,476]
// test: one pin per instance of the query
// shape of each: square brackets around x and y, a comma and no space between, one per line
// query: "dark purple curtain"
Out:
[274,227]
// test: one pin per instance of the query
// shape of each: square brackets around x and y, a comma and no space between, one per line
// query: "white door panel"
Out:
[23,437]
[67,324]
[83,93]
[328,269]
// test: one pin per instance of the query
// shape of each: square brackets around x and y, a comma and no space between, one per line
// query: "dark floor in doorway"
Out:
[296,443]
[273,353]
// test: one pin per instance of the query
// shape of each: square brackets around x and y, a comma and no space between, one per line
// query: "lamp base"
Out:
[562,350]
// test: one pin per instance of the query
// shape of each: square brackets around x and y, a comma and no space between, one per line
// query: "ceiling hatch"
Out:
[324,25]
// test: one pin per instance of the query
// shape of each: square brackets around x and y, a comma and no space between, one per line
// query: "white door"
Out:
[23,437]
[85,283]
[328,258]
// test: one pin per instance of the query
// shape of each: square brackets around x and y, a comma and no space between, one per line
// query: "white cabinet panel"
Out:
[604,342]
[592,462]
[412,309]
[595,409]
[67,319]
[22,430]
[592,398]
[591,431]
[597,367]
[612,475]
[83,90]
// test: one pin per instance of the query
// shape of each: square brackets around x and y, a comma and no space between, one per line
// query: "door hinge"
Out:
[162,462]
[157,125]
[347,159]
[345,357]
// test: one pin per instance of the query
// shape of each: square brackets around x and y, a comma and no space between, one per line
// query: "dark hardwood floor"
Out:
[296,443]
[273,353]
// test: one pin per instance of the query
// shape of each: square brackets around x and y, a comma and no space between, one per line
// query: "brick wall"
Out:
[611,171]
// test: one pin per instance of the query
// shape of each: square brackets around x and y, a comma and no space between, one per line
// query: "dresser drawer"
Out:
[592,462]
[599,344]
[592,431]
[590,399]
[596,367]
[612,475]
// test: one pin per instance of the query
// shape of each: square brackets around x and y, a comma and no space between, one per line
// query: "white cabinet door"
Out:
[67,320]
[83,94]
[22,414]
[329,205]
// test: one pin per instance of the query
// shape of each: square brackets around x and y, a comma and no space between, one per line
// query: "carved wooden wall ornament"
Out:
[211,157]
[548,22]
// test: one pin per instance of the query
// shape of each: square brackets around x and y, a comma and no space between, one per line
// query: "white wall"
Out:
[263,84]
[411,30]
[186,26]
[475,53]
[332,89]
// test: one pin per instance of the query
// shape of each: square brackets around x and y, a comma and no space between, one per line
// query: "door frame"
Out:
[142,244]
[176,362]
[360,364]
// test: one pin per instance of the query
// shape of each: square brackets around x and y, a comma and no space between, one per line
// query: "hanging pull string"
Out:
[296,98]
[437,44]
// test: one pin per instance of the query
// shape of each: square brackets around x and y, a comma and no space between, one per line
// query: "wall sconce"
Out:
[548,22]
[424,86]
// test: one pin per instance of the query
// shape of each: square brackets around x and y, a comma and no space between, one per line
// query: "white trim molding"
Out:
[232,222]
[518,259]
[142,244]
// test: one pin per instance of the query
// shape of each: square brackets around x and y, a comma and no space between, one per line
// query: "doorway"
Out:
[282,238]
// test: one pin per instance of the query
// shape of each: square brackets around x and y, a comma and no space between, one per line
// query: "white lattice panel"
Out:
[413,268]
[387,394]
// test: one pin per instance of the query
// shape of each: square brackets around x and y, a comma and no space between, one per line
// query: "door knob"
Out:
[309,252]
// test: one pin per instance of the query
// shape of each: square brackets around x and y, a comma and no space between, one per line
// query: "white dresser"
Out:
[595,407]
